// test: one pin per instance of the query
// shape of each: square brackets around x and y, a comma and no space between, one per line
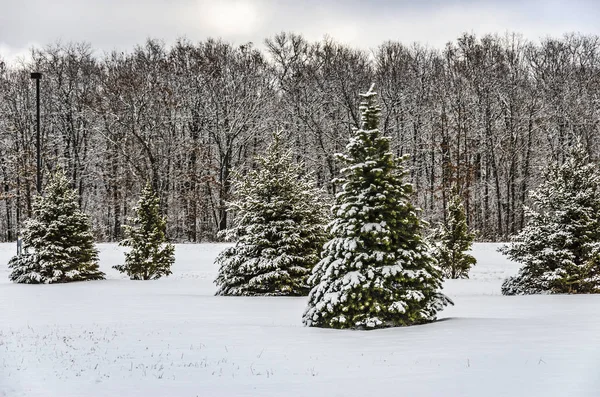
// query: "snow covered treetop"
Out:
[369,110]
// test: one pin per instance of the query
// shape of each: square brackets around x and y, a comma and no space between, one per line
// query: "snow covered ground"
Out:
[172,337]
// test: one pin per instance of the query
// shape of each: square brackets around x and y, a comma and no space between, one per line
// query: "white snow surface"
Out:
[172,337]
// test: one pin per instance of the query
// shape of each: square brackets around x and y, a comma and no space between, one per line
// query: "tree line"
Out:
[483,116]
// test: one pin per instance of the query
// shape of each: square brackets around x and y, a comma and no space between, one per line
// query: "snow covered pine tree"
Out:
[451,241]
[151,256]
[57,241]
[376,270]
[279,228]
[560,245]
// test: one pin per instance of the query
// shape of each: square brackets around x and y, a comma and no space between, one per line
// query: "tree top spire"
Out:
[369,109]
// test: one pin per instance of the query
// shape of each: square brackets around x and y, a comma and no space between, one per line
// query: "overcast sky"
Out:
[120,24]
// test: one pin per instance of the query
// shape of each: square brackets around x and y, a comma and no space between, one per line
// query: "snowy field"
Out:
[172,337]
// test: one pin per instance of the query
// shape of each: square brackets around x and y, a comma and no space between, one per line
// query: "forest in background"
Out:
[484,115]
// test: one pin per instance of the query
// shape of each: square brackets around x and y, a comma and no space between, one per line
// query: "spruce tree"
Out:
[278,229]
[452,240]
[560,245]
[58,246]
[151,256]
[376,270]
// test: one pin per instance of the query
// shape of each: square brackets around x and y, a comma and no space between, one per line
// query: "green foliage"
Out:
[453,240]
[278,229]
[376,270]
[560,246]
[57,241]
[151,256]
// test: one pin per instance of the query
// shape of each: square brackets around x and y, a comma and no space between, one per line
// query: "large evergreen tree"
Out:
[376,271]
[452,240]
[57,242]
[560,245]
[279,229]
[151,256]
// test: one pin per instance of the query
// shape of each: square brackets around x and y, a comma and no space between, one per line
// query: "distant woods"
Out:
[482,116]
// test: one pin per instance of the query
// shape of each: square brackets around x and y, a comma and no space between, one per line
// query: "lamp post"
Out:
[37,77]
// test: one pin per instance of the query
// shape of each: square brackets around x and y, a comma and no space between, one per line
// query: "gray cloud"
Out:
[120,24]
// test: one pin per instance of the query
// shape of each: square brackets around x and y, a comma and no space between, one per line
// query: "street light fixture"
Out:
[37,77]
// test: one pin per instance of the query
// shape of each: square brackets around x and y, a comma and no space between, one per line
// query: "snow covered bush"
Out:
[452,240]
[560,245]
[58,246]
[151,256]
[279,229]
[376,271]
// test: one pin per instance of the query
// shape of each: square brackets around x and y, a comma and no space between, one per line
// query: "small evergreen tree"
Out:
[560,246]
[151,256]
[57,241]
[278,229]
[453,240]
[376,271]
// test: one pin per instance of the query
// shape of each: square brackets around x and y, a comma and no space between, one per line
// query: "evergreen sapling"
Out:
[452,240]
[560,245]
[278,229]
[58,245]
[376,270]
[151,255]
